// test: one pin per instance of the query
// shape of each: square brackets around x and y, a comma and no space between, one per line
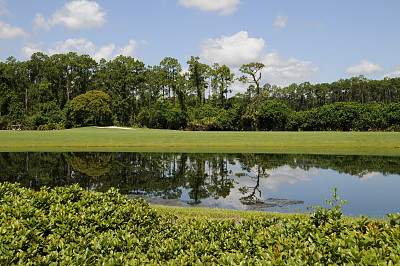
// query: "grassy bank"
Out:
[71,226]
[153,140]
[221,214]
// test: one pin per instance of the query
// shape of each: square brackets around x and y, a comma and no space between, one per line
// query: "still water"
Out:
[266,182]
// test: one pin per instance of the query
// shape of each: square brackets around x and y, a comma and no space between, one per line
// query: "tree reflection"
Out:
[169,175]
[92,164]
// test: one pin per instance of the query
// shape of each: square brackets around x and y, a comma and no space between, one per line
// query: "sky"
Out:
[298,40]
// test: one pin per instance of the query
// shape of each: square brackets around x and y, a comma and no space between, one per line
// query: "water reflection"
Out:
[281,182]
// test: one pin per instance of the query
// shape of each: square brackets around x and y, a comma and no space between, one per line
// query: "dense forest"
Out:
[71,90]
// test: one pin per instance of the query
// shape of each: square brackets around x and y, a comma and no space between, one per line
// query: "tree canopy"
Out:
[69,90]
[93,106]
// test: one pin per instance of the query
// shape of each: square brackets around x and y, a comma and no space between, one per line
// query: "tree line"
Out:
[71,90]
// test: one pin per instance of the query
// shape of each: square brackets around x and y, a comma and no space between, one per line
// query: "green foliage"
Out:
[51,126]
[322,215]
[273,115]
[344,116]
[203,118]
[394,219]
[91,107]
[39,92]
[73,226]
[162,115]
[229,119]
[49,117]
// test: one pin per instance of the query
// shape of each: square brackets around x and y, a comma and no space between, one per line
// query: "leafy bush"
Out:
[273,115]
[51,126]
[163,116]
[73,226]
[393,128]
[70,225]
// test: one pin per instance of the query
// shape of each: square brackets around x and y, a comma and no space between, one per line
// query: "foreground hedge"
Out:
[72,226]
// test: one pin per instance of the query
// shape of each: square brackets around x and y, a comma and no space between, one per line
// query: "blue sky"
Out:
[298,40]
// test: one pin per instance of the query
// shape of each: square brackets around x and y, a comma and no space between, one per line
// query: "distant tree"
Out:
[252,75]
[197,77]
[170,69]
[92,106]
[221,78]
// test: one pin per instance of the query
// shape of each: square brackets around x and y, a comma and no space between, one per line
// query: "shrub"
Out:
[69,225]
[51,126]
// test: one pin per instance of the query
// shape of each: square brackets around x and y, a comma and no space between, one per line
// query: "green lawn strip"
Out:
[221,214]
[153,140]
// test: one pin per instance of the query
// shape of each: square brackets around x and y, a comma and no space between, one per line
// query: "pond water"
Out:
[266,182]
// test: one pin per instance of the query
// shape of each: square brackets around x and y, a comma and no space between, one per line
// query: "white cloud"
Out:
[30,49]
[280,21]
[80,45]
[364,68]
[281,71]
[232,50]
[394,74]
[129,49]
[75,15]
[40,23]
[84,46]
[9,32]
[105,52]
[240,49]
[222,7]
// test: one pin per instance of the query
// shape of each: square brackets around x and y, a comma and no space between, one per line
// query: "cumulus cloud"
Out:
[30,49]
[129,49]
[10,32]
[232,50]
[394,74]
[364,68]
[222,7]
[281,71]
[40,23]
[79,45]
[105,52]
[280,21]
[84,46]
[240,49]
[75,15]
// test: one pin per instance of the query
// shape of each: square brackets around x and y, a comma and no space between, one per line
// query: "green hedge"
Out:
[72,226]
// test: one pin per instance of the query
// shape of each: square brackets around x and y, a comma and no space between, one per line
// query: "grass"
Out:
[204,213]
[155,140]
[221,214]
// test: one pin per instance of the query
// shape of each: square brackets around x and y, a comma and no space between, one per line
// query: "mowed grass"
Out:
[221,214]
[155,140]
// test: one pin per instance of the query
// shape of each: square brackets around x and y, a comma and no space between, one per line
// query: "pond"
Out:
[265,182]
